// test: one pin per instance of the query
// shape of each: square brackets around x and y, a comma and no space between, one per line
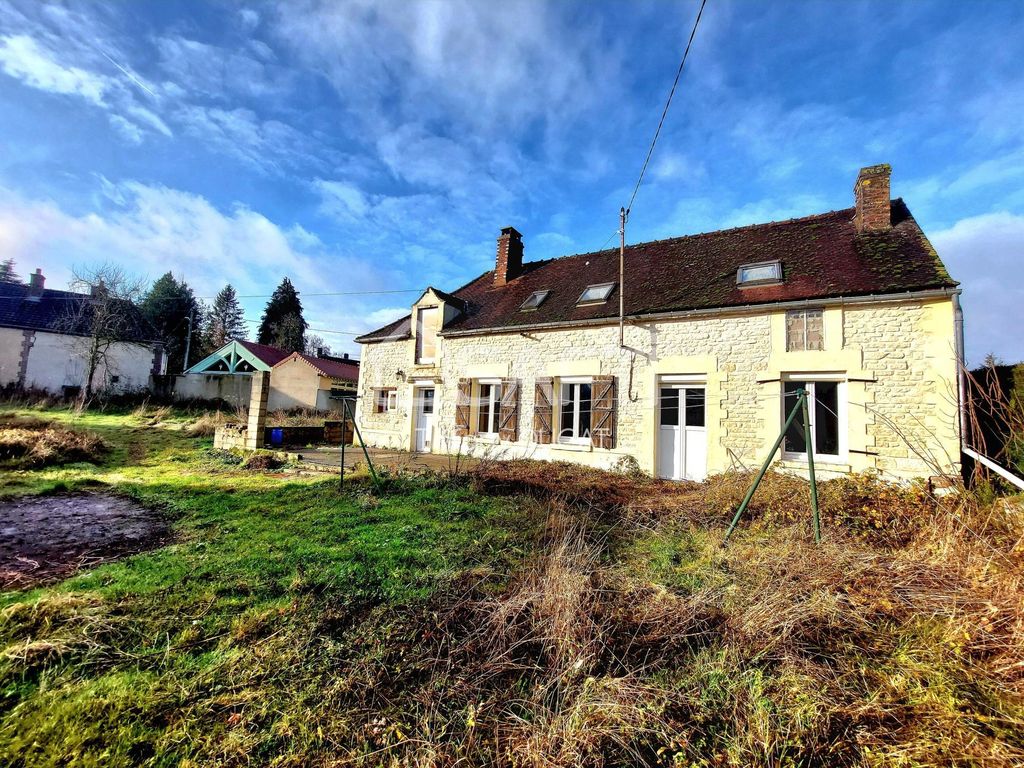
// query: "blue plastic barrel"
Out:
[276,436]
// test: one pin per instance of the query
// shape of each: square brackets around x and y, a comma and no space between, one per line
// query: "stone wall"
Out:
[386,430]
[897,360]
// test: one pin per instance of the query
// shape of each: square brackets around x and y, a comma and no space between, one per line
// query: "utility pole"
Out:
[622,277]
[188,340]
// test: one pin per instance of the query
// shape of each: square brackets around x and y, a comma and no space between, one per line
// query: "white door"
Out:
[424,419]
[682,435]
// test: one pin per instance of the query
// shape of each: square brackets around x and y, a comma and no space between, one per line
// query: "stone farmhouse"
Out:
[718,332]
[44,343]
[297,380]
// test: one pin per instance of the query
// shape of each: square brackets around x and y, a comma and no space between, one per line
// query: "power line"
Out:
[664,112]
[81,296]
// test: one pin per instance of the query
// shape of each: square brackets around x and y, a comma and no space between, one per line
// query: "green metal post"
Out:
[344,417]
[801,398]
[366,454]
[809,447]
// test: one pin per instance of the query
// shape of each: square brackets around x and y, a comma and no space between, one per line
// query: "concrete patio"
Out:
[329,459]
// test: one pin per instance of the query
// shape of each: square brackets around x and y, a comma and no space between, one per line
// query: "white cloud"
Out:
[22,57]
[984,253]
[492,66]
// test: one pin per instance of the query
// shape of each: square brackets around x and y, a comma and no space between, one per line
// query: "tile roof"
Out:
[822,256]
[266,353]
[347,370]
[59,312]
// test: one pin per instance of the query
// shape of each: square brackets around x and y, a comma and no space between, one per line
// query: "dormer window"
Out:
[535,300]
[596,294]
[761,273]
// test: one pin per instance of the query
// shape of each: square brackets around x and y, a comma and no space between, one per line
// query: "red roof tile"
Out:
[822,256]
[347,370]
[266,353]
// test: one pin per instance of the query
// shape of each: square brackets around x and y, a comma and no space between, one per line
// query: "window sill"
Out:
[828,464]
[577,447]
[484,438]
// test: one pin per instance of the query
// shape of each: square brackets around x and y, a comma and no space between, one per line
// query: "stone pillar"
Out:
[258,410]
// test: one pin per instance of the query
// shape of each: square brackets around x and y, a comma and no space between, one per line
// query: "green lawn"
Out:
[429,623]
[147,658]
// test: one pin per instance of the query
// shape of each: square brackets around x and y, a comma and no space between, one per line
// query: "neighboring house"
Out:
[720,330]
[296,380]
[45,339]
[305,381]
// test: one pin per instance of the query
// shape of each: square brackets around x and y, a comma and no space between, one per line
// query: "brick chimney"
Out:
[36,281]
[871,196]
[509,264]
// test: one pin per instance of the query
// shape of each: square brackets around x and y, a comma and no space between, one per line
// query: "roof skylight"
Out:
[595,294]
[760,273]
[534,300]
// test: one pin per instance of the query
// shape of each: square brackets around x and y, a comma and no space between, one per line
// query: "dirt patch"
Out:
[44,538]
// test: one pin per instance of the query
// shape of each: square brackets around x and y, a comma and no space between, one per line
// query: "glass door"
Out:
[682,432]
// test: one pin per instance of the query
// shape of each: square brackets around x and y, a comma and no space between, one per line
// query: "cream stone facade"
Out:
[893,361]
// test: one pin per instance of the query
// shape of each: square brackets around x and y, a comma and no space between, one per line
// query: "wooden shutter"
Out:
[463,399]
[508,416]
[602,412]
[543,397]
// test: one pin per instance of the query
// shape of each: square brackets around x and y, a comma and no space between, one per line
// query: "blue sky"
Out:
[381,146]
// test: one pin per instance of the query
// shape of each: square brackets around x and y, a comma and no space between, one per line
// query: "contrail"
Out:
[128,74]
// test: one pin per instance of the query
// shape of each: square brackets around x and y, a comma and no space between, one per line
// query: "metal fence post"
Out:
[809,447]
[801,398]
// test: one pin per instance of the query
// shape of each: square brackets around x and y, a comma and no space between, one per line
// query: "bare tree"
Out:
[107,314]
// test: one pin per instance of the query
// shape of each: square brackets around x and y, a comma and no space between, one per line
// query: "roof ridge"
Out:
[695,235]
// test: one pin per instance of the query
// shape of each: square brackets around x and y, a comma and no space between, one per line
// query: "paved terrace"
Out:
[328,459]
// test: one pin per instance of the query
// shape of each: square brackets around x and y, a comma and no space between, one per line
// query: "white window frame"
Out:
[776,278]
[803,312]
[609,286]
[390,400]
[542,297]
[843,426]
[575,382]
[493,404]
[422,359]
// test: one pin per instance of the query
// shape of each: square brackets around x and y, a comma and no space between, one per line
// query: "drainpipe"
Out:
[961,381]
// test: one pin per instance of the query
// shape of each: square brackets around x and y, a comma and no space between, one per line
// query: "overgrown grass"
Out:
[542,615]
[27,443]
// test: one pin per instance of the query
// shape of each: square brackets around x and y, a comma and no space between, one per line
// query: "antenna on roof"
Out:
[624,211]
[622,277]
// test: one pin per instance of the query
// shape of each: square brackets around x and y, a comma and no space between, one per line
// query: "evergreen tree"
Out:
[283,324]
[7,273]
[168,306]
[225,320]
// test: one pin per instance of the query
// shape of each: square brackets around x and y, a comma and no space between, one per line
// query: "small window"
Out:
[535,300]
[426,335]
[804,330]
[488,408]
[386,400]
[760,273]
[595,294]
[827,416]
[574,412]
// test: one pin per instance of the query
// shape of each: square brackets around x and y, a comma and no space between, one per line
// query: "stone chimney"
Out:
[509,264]
[36,281]
[871,197]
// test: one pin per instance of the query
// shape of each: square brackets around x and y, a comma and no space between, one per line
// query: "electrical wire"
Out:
[664,112]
